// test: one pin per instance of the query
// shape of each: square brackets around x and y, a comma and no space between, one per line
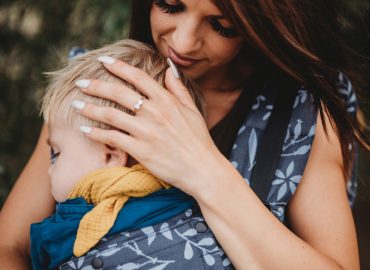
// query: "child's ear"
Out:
[115,157]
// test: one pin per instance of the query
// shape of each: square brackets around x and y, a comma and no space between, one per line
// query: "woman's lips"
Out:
[181,60]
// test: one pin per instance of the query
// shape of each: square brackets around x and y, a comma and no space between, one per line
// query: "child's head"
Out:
[72,154]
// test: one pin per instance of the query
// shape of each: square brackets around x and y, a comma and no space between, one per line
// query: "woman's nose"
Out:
[187,37]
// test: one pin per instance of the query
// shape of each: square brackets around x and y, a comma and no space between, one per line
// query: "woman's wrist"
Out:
[213,179]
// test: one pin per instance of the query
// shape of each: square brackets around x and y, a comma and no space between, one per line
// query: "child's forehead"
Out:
[59,127]
[66,134]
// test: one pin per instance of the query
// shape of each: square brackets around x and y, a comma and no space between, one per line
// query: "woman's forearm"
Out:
[29,201]
[12,258]
[249,234]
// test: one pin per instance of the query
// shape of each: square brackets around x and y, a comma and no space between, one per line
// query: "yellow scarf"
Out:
[109,189]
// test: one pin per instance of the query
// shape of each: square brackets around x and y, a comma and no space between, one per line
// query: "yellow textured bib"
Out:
[109,189]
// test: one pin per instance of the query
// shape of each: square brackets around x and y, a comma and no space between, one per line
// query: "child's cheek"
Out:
[57,184]
[56,190]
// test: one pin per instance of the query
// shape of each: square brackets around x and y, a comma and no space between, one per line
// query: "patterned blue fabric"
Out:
[297,144]
[52,239]
[346,91]
[182,242]
[295,151]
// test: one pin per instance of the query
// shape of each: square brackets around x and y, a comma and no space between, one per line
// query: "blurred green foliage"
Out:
[36,37]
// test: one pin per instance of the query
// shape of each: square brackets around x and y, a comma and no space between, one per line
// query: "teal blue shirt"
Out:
[52,239]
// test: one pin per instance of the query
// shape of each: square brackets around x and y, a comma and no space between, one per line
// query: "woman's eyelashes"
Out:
[215,24]
[169,8]
[53,155]
[227,32]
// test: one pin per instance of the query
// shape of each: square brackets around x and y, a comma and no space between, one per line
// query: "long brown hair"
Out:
[298,39]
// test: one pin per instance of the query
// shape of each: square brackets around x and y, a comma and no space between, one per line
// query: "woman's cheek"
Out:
[229,48]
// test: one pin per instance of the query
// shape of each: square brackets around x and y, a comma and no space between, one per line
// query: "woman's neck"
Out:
[218,105]
[225,81]
[220,91]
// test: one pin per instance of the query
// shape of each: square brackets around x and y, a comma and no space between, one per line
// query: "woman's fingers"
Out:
[175,86]
[111,116]
[138,78]
[118,93]
[112,138]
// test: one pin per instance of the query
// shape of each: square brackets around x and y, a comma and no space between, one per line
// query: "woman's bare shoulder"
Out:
[319,211]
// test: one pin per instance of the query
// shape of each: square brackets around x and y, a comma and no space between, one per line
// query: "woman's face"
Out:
[195,35]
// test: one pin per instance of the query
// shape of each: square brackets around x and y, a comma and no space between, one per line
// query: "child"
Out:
[89,180]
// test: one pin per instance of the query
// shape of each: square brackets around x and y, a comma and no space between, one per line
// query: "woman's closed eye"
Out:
[169,8]
[53,155]
[176,7]
[227,32]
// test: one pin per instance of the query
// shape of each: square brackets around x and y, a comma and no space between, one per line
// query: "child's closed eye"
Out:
[53,155]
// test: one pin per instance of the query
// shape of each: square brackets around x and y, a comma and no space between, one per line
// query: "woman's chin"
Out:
[193,72]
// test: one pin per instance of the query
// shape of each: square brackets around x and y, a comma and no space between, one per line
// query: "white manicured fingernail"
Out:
[78,104]
[173,68]
[85,129]
[106,59]
[83,83]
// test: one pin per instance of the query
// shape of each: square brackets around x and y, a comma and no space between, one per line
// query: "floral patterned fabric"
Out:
[295,151]
[346,91]
[182,242]
[177,244]
[297,144]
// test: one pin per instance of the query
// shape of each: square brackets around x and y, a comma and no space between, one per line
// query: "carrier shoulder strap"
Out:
[269,150]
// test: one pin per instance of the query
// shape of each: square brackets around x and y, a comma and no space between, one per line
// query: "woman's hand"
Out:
[167,135]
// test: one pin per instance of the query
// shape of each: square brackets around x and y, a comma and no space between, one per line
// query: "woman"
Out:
[227,47]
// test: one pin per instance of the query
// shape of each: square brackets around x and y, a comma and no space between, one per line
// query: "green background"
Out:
[35,37]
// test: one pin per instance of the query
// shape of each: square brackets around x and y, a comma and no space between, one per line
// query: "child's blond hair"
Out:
[62,89]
